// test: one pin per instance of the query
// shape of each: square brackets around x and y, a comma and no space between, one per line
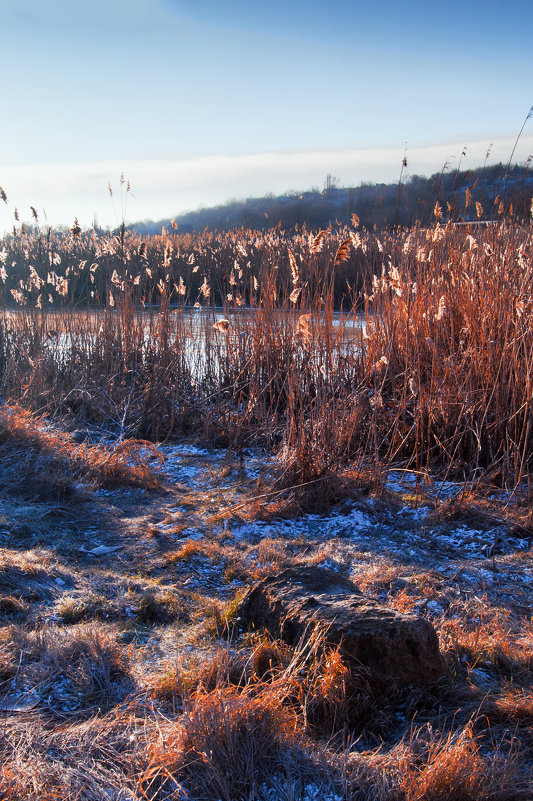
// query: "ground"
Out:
[116,604]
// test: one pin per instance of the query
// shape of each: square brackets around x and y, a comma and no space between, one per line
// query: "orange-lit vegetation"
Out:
[437,377]
[174,697]
[124,673]
[54,465]
[268,722]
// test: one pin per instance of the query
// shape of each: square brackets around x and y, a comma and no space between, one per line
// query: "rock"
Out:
[19,702]
[101,550]
[394,648]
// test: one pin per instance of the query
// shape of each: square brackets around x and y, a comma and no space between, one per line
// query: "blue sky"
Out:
[201,102]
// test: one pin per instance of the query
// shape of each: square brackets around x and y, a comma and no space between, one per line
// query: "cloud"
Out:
[163,188]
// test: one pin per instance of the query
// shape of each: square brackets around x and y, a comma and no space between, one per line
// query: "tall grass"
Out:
[124,334]
[449,347]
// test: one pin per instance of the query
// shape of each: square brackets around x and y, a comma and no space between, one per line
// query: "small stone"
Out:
[101,550]
[19,702]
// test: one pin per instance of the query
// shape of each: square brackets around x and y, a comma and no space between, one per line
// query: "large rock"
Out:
[392,647]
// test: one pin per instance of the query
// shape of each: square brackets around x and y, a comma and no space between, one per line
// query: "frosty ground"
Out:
[118,613]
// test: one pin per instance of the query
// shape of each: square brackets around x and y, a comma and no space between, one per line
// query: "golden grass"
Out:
[236,721]
[56,466]
[438,379]
[452,767]
[490,636]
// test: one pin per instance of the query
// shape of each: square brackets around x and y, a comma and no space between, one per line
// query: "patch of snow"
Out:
[486,575]
[401,481]
[182,473]
[415,514]
[434,607]
[481,678]
[173,451]
[280,789]
[192,534]
[329,564]
[335,524]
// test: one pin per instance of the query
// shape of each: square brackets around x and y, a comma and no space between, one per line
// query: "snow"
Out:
[280,789]
[335,524]
[403,525]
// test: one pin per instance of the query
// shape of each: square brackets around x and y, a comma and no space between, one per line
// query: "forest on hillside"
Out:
[406,202]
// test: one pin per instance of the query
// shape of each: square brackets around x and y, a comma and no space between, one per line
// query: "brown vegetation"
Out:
[38,459]
[123,671]
[436,378]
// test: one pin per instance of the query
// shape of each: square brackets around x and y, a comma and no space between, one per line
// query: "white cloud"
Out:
[163,188]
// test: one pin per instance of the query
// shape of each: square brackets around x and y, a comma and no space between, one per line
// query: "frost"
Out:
[279,789]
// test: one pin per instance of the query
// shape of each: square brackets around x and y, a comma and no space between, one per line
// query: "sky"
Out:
[202,102]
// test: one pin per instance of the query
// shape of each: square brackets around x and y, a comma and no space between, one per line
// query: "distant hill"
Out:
[379,205]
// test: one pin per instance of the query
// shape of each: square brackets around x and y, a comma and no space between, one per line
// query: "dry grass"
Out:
[150,691]
[438,380]
[89,761]
[485,635]
[452,767]
[450,350]
[75,672]
[40,460]
[240,721]
[228,745]
[511,705]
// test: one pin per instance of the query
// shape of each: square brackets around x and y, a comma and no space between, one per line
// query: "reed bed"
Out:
[332,348]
